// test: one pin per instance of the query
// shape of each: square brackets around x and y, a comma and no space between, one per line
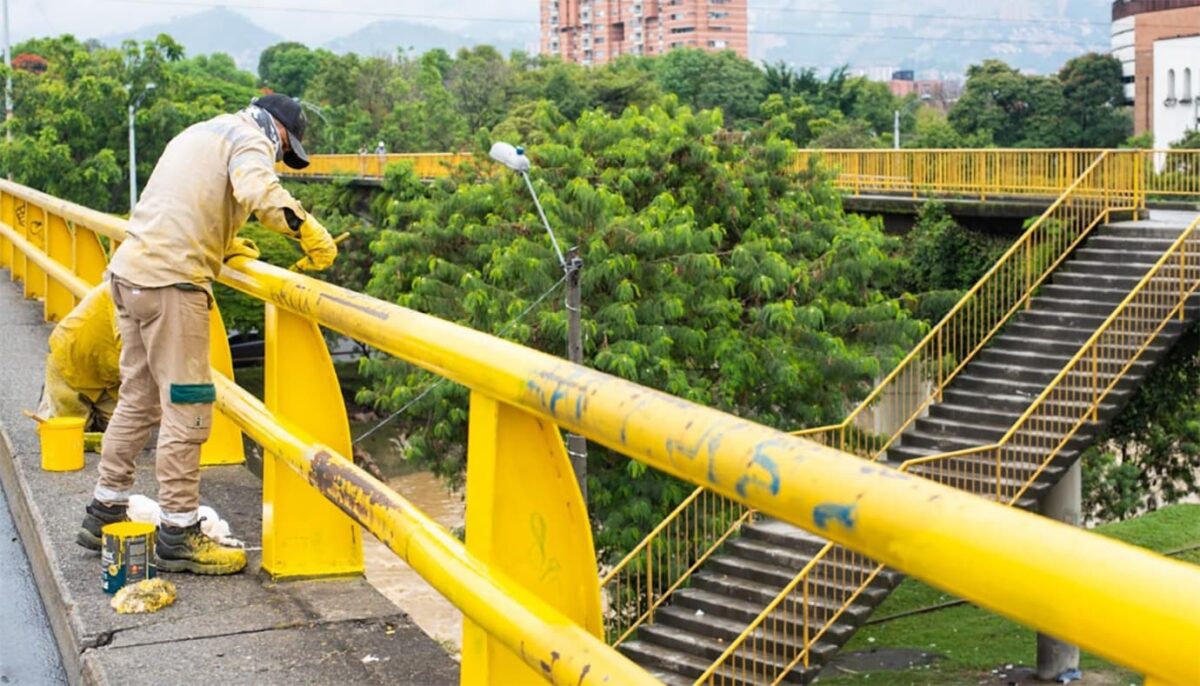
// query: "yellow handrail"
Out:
[372,165]
[948,360]
[920,377]
[928,530]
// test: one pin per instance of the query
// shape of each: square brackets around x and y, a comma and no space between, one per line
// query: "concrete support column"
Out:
[1062,503]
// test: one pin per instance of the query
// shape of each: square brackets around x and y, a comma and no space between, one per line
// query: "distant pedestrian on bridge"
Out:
[209,179]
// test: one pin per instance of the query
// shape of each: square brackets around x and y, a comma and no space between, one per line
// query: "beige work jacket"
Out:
[209,179]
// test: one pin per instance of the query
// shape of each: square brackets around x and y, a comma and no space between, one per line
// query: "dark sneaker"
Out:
[97,515]
[188,549]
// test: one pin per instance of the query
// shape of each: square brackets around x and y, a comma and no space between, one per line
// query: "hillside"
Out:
[214,30]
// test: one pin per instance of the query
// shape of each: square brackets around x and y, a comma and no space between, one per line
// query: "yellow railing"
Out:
[1006,469]
[665,558]
[372,165]
[920,377]
[821,592]
[526,580]
[979,173]
[984,173]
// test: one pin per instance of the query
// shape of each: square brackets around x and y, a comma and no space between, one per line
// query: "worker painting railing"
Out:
[372,165]
[526,580]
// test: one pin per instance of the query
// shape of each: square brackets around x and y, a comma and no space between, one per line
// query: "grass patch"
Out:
[974,641]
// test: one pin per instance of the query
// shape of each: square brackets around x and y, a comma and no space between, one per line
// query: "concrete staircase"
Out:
[977,408]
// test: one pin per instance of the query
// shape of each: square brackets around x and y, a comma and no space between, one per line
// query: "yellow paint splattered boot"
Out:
[188,549]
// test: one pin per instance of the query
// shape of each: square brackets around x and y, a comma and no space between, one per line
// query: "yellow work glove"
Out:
[241,247]
[319,248]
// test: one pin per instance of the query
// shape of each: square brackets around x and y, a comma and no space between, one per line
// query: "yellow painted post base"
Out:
[525,519]
[304,535]
[224,444]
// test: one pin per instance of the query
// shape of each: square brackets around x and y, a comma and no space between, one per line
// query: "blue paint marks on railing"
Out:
[825,512]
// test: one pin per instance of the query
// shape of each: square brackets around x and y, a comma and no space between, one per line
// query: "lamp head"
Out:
[509,156]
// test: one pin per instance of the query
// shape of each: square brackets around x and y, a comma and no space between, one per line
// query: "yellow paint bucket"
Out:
[128,554]
[62,444]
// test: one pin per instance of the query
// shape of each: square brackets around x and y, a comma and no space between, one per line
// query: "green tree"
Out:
[714,272]
[1095,101]
[707,80]
[288,68]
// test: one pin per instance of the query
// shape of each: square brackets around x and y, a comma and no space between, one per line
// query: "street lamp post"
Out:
[134,103]
[572,265]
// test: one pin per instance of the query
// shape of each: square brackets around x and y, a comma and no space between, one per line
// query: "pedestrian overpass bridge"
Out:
[789,540]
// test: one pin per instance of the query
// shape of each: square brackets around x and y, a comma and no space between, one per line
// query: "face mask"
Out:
[267,123]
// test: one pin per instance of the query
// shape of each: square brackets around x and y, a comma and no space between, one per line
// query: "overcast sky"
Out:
[96,18]
[332,18]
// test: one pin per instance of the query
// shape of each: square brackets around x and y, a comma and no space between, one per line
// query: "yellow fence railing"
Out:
[920,377]
[372,165]
[983,173]
[526,578]
[1002,471]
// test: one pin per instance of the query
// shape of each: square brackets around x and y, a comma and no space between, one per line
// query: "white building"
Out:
[1123,49]
[1176,87]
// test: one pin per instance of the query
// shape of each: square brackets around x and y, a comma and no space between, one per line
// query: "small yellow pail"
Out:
[62,444]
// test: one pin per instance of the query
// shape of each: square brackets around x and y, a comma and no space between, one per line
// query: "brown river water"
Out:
[398,582]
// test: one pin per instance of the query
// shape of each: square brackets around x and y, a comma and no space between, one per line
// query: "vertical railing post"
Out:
[35,233]
[6,246]
[59,300]
[1096,382]
[999,475]
[224,444]
[304,534]
[525,521]
[89,259]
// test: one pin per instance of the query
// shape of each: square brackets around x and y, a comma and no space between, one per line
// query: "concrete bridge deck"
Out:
[245,629]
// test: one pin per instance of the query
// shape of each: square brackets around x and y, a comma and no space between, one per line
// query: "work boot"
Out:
[188,549]
[97,515]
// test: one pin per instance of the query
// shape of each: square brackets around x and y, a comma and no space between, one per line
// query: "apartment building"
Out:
[1137,25]
[599,31]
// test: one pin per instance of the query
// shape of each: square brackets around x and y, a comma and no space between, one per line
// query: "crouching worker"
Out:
[208,180]
[83,375]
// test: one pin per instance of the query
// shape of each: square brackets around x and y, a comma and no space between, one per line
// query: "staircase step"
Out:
[1089,267]
[772,656]
[1110,296]
[938,426]
[725,612]
[1019,402]
[729,586]
[687,665]
[1107,241]
[781,534]
[725,630]
[1106,282]
[969,414]
[1143,230]
[1054,303]
[784,557]
[1127,255]
[776,576]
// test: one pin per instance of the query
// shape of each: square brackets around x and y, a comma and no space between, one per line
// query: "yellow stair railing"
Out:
[1002,471]
[372,165]
[911,387]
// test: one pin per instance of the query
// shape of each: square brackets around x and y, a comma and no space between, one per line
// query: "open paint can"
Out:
[128,554]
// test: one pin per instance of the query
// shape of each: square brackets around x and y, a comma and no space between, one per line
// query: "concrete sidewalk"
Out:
[244,629]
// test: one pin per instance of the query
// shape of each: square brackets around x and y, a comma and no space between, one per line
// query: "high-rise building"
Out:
[599,31]
[1136,26]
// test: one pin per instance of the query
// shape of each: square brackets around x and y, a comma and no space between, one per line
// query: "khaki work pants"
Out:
[164,376]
